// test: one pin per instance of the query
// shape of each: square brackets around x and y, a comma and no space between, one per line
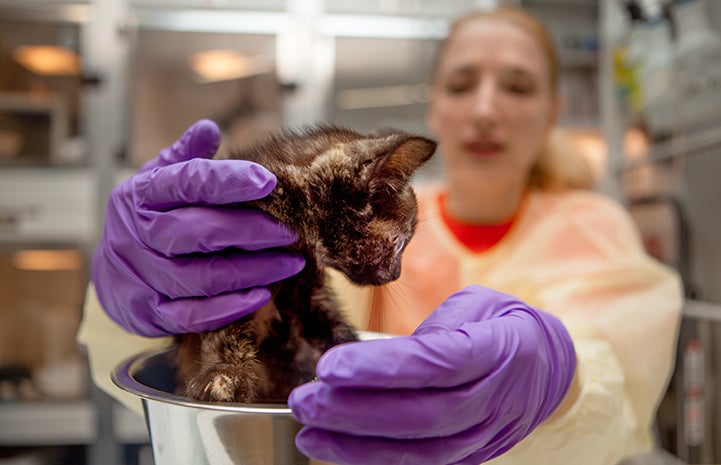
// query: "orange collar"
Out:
[476,237]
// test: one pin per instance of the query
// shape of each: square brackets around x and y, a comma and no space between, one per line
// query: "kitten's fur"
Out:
[348,197]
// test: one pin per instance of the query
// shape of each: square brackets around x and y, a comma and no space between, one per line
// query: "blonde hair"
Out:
[560,164]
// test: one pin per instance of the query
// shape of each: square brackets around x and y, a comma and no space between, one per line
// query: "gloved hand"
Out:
[476,377]
[174,256]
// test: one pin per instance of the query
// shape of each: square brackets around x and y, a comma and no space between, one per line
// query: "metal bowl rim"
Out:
[122,378]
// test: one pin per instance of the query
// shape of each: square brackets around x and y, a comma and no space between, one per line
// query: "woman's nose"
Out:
[485,105]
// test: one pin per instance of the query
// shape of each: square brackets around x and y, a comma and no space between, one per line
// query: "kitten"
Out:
[348,197]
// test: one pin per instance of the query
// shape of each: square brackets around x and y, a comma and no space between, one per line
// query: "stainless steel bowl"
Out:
[187,432]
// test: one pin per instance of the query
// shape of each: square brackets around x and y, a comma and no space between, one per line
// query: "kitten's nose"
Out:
[375,275]
[390,274]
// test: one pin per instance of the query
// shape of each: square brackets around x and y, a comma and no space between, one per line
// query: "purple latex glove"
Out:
[159,270]
[476,377]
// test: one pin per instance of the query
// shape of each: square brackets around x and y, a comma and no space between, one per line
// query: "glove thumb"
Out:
[200,140]
[471,304]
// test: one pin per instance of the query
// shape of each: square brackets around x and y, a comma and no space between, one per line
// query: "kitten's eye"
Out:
[399,246]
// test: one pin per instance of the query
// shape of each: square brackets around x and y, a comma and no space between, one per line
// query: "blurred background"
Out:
[89,90]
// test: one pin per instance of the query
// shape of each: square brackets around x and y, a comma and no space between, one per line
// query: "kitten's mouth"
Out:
[376,277]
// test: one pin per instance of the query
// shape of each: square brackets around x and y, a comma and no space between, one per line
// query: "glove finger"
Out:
[200,140]
[213,274]
[473,303]
[346,449]
[202,182]
[151,314]
[438,359]
[462,340]
[211,229]
[415,413]
[196,315]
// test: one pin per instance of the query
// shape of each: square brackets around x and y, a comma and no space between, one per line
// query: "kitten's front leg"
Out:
[327,325]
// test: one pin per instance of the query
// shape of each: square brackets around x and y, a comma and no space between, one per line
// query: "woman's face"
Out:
[492,104]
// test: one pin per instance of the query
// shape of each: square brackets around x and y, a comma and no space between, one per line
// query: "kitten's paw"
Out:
[223,386]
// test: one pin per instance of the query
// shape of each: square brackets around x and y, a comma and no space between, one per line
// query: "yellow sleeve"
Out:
[633,304]
[108,345]
[624,363]
[596,428]
[624,319]
[640,330]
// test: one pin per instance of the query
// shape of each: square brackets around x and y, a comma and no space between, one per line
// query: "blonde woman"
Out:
[533,327]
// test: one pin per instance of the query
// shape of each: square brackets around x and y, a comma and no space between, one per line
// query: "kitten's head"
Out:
[372,210]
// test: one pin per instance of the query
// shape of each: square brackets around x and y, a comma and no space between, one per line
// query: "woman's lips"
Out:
[484,148]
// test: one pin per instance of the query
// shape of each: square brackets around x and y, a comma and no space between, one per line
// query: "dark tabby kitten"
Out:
[349,198]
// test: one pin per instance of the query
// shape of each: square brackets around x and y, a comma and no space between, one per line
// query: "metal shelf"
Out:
[47,423]
[700,310]
[51,423]
[683,145]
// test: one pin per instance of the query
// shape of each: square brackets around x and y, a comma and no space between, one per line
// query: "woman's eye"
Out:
[520,89]
[519,83]
[461,81]
[458,87]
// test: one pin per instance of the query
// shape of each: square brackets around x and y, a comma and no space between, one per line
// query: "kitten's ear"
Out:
[397,157]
